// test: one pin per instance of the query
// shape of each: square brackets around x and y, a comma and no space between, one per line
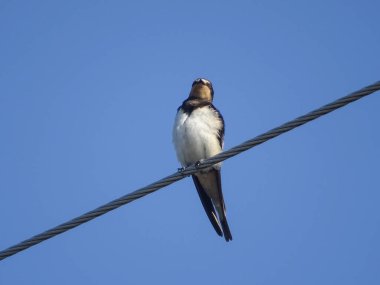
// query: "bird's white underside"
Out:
[195,137]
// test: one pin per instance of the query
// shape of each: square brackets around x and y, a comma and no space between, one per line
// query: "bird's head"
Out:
[202,89]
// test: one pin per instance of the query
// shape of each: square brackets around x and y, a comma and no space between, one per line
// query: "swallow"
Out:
[198,134]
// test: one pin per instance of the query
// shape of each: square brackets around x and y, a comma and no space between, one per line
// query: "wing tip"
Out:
[208,207]
[226,230]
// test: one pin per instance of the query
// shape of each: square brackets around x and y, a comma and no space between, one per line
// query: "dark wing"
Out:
[208,206]
[222,215]
[221,131]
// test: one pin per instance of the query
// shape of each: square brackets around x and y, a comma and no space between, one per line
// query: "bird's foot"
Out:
[198,163]
[180,170]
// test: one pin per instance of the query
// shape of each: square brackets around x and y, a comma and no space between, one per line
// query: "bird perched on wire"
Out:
[198,134]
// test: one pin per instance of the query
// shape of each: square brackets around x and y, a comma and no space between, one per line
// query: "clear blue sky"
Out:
[88,94]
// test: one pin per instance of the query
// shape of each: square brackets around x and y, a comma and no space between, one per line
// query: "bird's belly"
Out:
[194,146]
[195,140]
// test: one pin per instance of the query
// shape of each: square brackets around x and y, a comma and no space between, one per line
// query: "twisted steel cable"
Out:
[190,170]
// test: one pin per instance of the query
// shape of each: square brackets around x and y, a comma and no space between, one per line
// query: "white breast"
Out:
[195,136]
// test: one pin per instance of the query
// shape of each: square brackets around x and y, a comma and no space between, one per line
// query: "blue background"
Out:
[88,94]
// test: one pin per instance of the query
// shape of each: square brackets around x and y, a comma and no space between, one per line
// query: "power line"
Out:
[189,170]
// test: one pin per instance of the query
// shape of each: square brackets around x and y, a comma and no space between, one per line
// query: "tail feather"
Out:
[209,188]
[222,209]
[207,205]
[226,229]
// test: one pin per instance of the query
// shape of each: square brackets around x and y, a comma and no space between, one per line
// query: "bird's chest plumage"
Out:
[195,135]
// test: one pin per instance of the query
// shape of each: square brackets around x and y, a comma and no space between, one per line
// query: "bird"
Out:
[198,134]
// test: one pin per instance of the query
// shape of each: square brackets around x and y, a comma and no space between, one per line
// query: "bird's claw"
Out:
[198,163]
[180,170]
